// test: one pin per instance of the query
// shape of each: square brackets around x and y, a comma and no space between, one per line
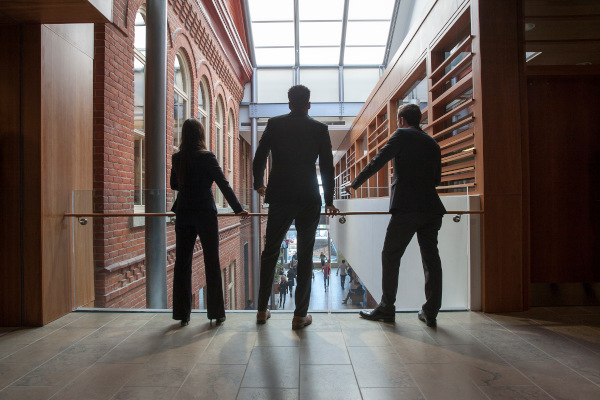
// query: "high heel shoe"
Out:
[218,321]
[185,322]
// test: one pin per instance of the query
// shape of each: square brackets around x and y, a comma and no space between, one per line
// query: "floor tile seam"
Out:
[121,342]
[198,363]
[55,356]
[565,365]
[351,364]
[513,367]
[597,352]
[563,337]
[479,388]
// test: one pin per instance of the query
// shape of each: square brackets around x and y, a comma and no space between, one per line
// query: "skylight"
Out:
[316,33]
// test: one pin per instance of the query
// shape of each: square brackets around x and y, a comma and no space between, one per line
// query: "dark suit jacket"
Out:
[195,194]
[417,171]
[295,140]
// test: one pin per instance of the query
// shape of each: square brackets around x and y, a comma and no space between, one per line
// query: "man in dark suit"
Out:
[294,140]
[415,207]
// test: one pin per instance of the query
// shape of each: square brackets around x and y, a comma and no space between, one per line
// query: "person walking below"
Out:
[194,169]
[295,141]
[415,207]
[326,272]
[342,269]
[283,289]
[291,275]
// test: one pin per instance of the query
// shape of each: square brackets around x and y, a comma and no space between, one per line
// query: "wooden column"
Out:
[49,154]
[497,77]
[10,199]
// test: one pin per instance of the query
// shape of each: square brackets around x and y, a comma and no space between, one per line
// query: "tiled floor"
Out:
[546,353]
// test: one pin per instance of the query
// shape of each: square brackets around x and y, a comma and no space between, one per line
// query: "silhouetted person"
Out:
[194,169]
[415,207]
[295,141]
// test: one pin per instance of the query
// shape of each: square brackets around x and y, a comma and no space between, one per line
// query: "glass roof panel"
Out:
[273,33]
[319,10]
[320,33]
[364,55]
[378,32]
[319,55]
[274,56]
[370,9]
[271,10]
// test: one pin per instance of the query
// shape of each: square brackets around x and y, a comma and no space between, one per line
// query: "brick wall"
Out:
[119,246]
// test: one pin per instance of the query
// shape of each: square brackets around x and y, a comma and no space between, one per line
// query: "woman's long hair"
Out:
[192,141]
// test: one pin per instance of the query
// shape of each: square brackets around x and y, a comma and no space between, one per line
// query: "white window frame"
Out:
[138,133]
[204,113]
[219,117]
[184,94]
[230,134]
[231,286]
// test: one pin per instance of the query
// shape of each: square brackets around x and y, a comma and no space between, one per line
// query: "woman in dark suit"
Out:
[194,169]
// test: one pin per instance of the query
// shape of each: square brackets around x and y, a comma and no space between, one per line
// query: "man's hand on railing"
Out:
[244,214]
[262,190]
[348,189]
[331,211]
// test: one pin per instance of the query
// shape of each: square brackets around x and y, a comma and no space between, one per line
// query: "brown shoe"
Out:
[263,316]
[301,322]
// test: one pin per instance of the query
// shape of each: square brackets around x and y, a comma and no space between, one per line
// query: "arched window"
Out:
[230,162]
[181,94]
[219,146]
[204,109]
[139,150]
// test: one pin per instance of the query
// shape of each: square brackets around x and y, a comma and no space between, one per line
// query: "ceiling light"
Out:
[584,63]
[529,26]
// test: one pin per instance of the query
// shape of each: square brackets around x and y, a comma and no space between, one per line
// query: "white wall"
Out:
[360,239]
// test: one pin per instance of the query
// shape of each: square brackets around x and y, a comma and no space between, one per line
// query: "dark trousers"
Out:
[325,280]
[281,299]
[343,281]
[400,231]
[280,218]
[205,225]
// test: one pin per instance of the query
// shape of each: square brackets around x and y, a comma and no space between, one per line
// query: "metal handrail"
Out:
[82,217]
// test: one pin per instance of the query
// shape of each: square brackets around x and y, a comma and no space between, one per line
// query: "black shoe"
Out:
[430,322]
[185,322]
[380,313]
[221,320]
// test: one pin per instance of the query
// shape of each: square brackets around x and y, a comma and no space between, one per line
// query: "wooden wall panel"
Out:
[565,178]
[32,156]
[10,206]
[497,72]
[66,157]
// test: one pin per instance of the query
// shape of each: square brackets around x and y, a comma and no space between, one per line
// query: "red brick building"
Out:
[207,68]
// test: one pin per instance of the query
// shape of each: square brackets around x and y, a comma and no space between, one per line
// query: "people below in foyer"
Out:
[194,169]
[295,141]
[356,289]
[343,271]
[326,271]
[283,289]
[350,273]
[415,207]
[291,276]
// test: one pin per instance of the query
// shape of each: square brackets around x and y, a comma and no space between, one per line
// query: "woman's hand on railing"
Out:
[244,215]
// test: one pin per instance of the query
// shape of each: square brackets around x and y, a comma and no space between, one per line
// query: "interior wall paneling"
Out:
[565,185]
[10,202]
[496,90]
[66,158]
[32,171]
